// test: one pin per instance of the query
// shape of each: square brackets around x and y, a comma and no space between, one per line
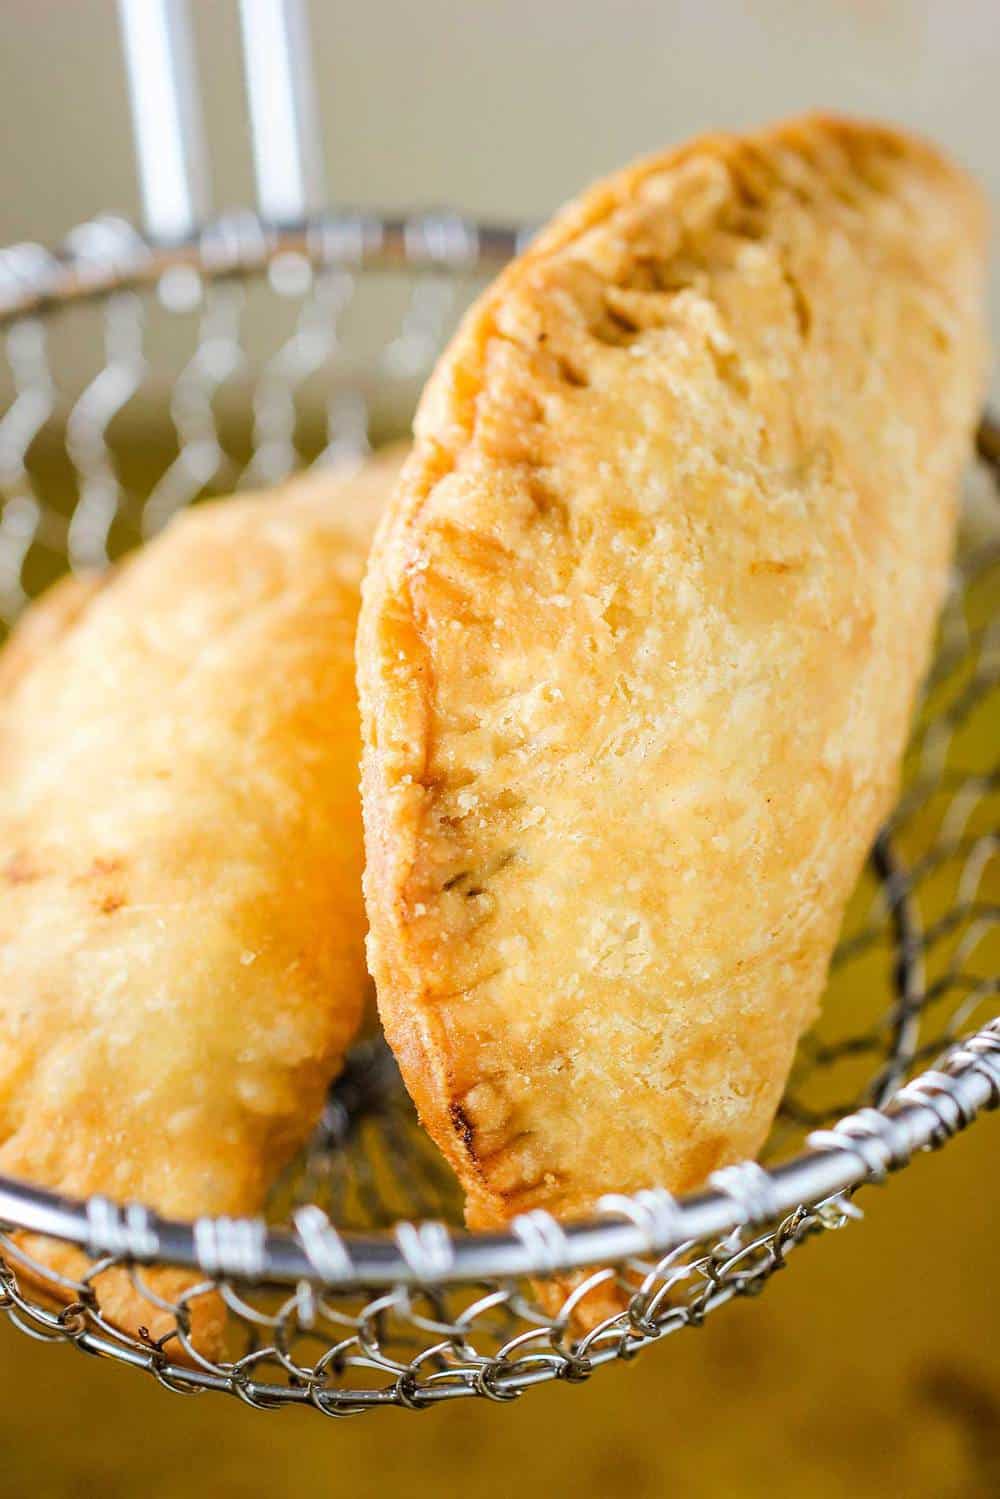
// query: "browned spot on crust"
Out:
[463,1126]
[772,565]
[620,318]
[101,868]
[566,369]
[19,869]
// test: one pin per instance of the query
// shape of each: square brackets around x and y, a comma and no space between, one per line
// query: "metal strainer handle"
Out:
[170,142]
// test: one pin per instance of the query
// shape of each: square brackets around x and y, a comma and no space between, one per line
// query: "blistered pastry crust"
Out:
[181,921]
[639,644]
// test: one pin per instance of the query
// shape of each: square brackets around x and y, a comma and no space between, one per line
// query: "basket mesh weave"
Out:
[230,369]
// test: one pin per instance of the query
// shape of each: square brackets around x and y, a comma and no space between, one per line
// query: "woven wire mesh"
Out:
[231,368]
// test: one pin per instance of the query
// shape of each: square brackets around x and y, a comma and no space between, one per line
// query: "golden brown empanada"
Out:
[639,643]
[181,920]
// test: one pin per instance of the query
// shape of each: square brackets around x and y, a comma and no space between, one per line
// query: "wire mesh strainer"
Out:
[144,371]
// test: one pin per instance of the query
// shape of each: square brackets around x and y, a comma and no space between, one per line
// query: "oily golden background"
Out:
[870,1367]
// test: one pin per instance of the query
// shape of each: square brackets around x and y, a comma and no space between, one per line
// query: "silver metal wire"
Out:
[139,378]
[166,116]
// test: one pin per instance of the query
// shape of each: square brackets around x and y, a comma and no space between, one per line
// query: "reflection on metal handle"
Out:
[283,117]
[166,120]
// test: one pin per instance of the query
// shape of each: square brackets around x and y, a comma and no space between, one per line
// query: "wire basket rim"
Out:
[863,1147]
[108,254]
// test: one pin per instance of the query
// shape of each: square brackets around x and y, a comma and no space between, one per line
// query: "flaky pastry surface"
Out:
[181,920]
[639,644]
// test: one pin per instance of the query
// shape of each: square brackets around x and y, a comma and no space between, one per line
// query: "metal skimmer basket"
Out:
[145,371]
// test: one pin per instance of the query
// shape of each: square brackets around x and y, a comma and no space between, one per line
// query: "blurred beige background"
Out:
[873,1364]
[502,108]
